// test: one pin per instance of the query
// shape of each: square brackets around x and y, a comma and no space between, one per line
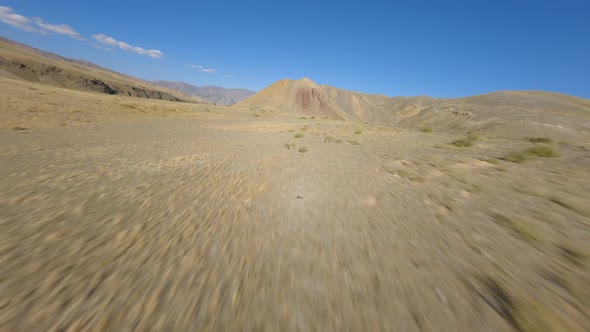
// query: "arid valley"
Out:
[126,206]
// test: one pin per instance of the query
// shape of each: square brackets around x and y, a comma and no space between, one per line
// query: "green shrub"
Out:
[358,132]
[472,136]
[540,140]
[542,151]
[462,142]
[517,157]
[298,135]
[302,150]
[427,130]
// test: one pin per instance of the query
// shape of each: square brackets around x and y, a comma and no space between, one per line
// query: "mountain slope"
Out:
[307,97]
[506,112]
[18,61]
[210,93]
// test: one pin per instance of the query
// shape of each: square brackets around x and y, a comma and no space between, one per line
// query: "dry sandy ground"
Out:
[164,216]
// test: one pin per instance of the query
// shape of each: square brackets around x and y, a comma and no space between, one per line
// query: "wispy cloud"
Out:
[36,24]
[8,16]
[104,39]
[203,69]
[101,47]
[61,29]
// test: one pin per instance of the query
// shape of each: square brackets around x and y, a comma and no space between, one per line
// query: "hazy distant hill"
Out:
[213,94]
[19,61]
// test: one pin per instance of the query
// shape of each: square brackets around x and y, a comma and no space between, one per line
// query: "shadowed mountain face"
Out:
[18,61]
[212,94]
[500,112]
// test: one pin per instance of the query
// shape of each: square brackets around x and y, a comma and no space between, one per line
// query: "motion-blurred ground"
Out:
[119,214]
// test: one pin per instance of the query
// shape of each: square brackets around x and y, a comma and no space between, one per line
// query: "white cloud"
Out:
[104,39]
[61,29]
[203,69]
[100,47]
[36,24]
[8,16]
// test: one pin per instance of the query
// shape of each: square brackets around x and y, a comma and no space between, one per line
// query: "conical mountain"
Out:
[304,96]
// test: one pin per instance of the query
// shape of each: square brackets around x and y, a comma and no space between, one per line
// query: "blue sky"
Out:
[396,48]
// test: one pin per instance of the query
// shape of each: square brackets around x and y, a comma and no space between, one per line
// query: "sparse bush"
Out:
[291,130]
[313,118]
[298,135]
[517,157]
[403,173]
[303,118]
[521,227]
[410,176]
[358,132]
[305,128]
[472,136]
[417,178]
[353,142]
[257,115]
[462,142]
[540,140]
[542,151]
[531,316]
[338,141]
[328,139]
[302,150]
[427,130]
[18,128]
[526,231]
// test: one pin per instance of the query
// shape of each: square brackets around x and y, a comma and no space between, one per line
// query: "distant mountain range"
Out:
[210,93]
